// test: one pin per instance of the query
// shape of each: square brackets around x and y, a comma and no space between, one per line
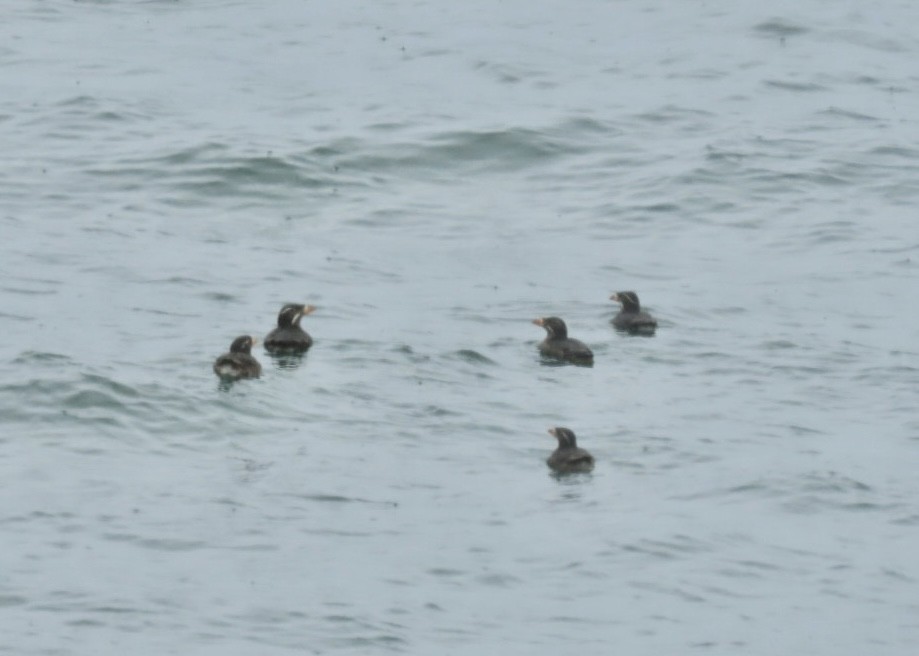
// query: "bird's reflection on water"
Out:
[287,360]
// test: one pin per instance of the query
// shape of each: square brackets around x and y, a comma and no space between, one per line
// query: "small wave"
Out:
[780,28]
[786,85]
[410,354]
[8,600]
[41,357]
[514,74]
[158,544]
[472,357]
[896,151]
[674,114]
[867,40]
[835,112]
[832,482]
[335,498]
[28,291]
[60,395]
[212,170]
[778,345]
[496,150]
[677,547]
[87,399]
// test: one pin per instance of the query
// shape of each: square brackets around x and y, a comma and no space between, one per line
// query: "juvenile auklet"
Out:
[631,317]
[238,363]
[558,345]
[289,337]
[568,458]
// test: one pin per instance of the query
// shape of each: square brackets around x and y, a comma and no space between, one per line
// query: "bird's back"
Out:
[571,460]
[288,339]
[237,365]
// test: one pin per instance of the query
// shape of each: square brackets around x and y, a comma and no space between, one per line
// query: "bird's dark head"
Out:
[291,314]
[629,301]
[242,344]
[565,437]
[554,326]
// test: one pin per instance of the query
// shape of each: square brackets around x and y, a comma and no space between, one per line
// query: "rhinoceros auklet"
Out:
[568,458]
[631,317]
[558,345]
[238,363]
[289,337]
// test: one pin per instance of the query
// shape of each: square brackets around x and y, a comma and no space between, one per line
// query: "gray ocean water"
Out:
[434,176]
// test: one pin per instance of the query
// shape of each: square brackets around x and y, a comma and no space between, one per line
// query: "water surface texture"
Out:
[433,177]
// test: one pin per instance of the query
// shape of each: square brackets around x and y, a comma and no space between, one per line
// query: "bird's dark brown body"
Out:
[559,346]
[631,317]
[289,337]
[238,363]
[569,458]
